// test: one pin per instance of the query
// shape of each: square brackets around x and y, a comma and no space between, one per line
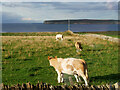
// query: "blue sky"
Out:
[37,12]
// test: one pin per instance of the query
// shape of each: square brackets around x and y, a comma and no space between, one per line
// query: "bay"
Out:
[40,27]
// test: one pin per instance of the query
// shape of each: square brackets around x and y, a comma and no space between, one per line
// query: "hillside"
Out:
[81,21]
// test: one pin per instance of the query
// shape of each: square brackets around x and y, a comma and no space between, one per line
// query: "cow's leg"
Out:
[85,79]
[61,77]
[76,76]
[79,79]
[81,73]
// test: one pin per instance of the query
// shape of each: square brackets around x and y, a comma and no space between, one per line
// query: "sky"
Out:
[38,12]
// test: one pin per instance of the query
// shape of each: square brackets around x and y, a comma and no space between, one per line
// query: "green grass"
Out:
[24,58]
[36,33]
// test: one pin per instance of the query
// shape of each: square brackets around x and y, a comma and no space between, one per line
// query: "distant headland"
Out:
[82,21]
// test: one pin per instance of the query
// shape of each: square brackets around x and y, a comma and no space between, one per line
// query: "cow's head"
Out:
[51,60]
[79,45]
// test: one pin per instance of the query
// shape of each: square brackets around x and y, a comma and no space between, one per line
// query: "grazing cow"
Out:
[78,46]
[72,66]
[59,36]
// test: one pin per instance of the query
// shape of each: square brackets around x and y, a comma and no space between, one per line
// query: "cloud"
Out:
[10,18]
[38,12]
[26,19]
[86,6]
[14,18]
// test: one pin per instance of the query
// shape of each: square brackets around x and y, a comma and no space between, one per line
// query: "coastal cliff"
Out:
[82,21]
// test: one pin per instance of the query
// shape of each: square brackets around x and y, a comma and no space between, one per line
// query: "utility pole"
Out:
[68,24]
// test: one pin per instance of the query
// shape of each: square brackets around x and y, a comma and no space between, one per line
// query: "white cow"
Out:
[59,36]
[72,66]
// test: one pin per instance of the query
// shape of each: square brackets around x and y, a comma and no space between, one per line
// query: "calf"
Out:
[59,36]
[78,46]
[72,66]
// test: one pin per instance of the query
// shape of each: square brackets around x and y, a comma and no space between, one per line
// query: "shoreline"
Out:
[63,31]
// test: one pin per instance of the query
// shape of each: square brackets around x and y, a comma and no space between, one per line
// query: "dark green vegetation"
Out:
[24,58]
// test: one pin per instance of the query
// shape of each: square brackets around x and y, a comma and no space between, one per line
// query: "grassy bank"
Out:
[24,58]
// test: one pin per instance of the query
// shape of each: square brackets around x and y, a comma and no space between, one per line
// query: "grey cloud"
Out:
[10,18]
[25,4]
[13,12]
[86,6]
[66,5]
[73,6]
[14,18]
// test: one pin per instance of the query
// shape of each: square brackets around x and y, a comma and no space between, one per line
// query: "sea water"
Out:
[40,27]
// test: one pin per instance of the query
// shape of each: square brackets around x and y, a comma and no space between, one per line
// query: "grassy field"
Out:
[24,58]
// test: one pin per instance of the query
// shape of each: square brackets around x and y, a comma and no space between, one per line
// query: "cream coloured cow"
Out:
[78,46]
[59,36]
[71,66]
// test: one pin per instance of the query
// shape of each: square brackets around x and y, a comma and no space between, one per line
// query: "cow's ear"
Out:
[55,57]
[48,57]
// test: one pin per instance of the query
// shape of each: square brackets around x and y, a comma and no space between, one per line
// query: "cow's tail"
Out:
[86,72]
